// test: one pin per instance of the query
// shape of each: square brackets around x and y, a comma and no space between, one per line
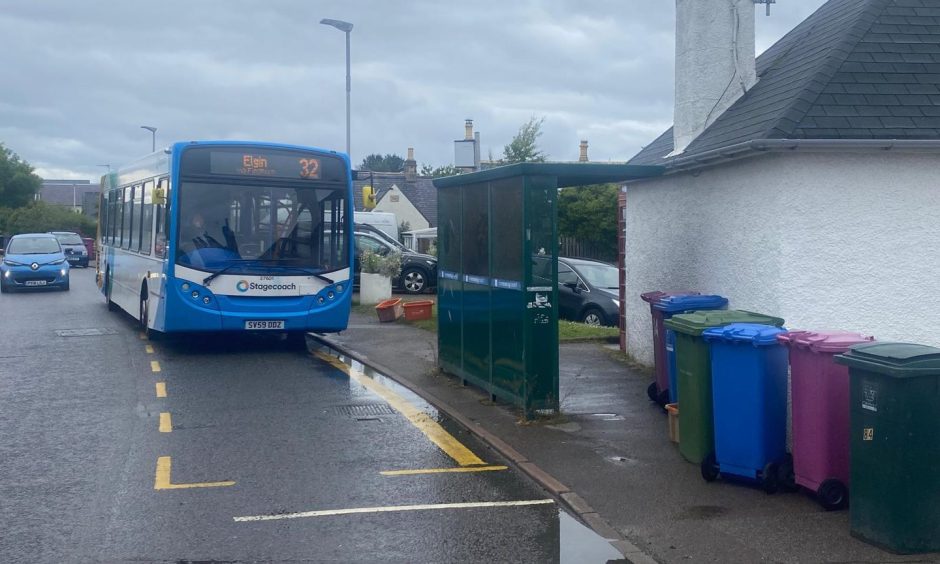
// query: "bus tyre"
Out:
[144,319]
[296,340]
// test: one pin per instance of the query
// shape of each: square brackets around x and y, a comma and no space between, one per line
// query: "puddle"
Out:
[579,544]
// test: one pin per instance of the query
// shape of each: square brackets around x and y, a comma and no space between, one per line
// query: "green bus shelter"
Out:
[498,275]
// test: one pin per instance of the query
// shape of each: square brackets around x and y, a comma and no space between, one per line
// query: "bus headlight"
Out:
[339,287]
[195,294]
[185,286]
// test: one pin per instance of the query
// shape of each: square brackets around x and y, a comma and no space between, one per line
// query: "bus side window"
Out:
[137,222]
[146,219]
[128,201]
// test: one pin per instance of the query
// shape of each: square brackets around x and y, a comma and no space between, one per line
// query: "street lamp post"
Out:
[345,27]
[153,136]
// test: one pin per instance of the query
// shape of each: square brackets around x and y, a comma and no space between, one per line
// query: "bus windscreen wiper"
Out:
[304,270]
[240,262]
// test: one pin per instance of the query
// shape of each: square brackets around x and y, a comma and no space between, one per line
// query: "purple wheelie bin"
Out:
[820,412]
[664,305]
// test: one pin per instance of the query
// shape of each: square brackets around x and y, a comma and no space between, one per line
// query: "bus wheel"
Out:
[144,320]
[296,340]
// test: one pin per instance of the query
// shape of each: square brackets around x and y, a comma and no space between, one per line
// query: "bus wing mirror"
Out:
[159,195]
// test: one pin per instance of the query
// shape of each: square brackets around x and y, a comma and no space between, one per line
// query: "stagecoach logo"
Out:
[242,286]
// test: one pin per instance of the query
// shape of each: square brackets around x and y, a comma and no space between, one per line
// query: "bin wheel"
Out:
[663,398]
[653,392]
[786,480]
[832,494]
[769,478]
[710,470]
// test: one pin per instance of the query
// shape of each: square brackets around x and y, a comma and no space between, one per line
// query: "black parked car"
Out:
[587,290]
[73,246]
[418,271]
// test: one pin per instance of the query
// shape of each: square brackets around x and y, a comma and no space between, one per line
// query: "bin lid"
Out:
[693,323]
[652,297]
[757,334]
[900,360]
[823,341]
[691,302]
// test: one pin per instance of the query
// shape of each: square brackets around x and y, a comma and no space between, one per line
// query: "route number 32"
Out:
[309,168]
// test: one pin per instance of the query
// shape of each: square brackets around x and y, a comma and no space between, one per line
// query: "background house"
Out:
[804,186]
[413,199]
[78,195]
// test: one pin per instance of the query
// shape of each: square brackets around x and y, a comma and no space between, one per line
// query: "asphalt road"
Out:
[116,449]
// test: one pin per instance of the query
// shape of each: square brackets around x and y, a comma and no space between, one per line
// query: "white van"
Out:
[385,221]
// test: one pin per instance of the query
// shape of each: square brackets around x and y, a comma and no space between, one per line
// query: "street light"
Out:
[345,27]
[153,136]
[106,165]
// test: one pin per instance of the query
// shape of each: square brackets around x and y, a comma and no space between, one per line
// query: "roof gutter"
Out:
[762,146]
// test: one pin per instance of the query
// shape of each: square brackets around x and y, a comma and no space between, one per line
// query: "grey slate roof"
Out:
[420,192]
[855,69]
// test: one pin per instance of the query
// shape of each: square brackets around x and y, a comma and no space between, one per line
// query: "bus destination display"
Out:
[254,163]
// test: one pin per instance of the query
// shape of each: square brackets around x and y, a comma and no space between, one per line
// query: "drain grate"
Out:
[84,332]
[364,410]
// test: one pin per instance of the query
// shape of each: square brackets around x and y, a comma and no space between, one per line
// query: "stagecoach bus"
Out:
[214,236]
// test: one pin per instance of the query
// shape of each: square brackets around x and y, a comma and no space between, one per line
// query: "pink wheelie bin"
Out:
[820,412]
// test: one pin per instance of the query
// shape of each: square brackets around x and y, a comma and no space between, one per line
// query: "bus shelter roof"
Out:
[567,174]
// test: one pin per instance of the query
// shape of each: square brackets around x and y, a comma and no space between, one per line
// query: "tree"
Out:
[524,148]
[18,183]
[439,172]
[377,163]
[589,214]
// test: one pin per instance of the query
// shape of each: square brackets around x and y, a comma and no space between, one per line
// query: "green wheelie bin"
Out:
[894,395]
[693,362]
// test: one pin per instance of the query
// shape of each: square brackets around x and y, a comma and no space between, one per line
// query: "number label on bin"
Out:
[868,434]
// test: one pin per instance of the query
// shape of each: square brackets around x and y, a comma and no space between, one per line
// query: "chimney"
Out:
[714,63]
[411,167]
[468,127]
[583,158]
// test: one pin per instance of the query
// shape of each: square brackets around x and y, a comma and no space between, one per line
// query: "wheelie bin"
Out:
[749,391]
[819,391]
[693,368]
[664,305]
[894,399]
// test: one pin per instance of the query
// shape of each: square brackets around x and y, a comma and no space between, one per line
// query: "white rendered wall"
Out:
[403,209]
[826,241]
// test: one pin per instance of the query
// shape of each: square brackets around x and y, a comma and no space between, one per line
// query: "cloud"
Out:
[81,77]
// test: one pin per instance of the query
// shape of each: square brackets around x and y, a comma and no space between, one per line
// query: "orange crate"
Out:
[389,310]
[416,311]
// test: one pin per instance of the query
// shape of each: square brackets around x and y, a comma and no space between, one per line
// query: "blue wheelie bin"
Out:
[749,392]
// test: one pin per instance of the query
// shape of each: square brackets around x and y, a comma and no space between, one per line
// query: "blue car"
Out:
[33,260]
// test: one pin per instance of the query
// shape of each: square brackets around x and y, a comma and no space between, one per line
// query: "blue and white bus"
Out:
[211,236]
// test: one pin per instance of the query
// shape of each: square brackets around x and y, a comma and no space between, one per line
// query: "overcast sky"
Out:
[79,78]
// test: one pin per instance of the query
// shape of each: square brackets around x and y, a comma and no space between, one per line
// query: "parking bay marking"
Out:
[431,429]
[162,479]
[395,508]
[442,470]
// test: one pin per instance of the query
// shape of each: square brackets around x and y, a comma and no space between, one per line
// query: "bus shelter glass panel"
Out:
[476,288]
[507,292]
[450,283]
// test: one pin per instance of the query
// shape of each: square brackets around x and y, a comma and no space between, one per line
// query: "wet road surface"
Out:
[114,448]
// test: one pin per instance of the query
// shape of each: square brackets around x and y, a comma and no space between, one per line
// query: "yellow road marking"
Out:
[149,349]
[142,336]
[161,389]
[166,426]
[162,481]
[440,470]
[154,366]
[394,508]
[431,429]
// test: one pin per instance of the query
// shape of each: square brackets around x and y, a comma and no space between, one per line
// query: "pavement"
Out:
[607,457]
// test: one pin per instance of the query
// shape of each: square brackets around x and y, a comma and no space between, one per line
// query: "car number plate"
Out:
[264,324]
[35,282]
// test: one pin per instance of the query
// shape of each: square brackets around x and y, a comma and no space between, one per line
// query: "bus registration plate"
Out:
[268,324]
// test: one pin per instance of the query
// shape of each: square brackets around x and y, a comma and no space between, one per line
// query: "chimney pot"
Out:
[468,126]
[410,167]
[583,158]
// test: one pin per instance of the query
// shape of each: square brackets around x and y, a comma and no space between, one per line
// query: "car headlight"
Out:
[616,302]
[430,262]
